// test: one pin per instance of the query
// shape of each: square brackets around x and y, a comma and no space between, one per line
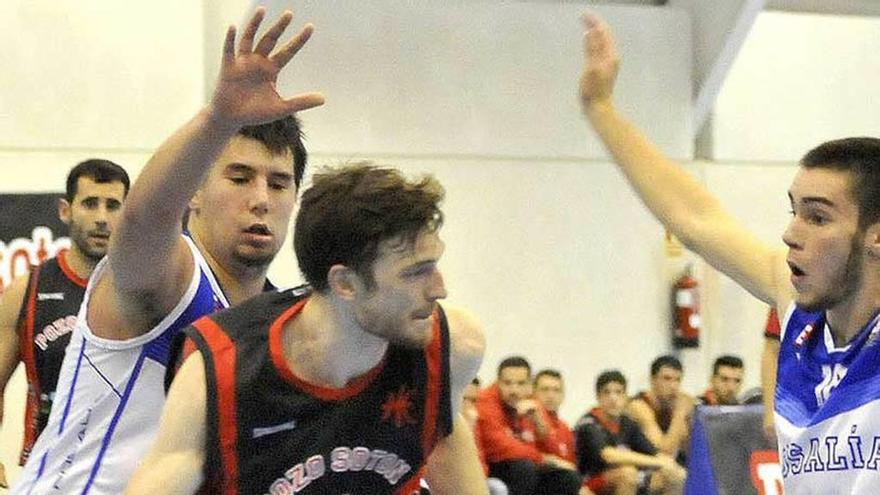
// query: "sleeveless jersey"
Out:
[109,399]
[270,432]
[48,315]
[828,408]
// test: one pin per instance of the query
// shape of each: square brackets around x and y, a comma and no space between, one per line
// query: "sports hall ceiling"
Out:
[841,7]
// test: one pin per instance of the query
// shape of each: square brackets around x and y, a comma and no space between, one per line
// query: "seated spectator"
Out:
[613,453]
[469,411]
[550,392]
[514,435]
[726,381]
[663,413]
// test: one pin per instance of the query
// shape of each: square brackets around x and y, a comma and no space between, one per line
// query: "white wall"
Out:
[799,80]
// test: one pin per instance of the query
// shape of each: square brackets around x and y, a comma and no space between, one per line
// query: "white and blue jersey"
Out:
[109,398]
[828,408]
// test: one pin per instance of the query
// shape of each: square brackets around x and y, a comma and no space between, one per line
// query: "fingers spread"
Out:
[268,41]
[247,39]
[286,52]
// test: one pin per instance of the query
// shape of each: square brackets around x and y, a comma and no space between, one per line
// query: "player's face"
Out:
[407,283]
[549,392]
[92,215]
[242,211]
[612,398]
[825,244]
[515,384]
[726,384]
[666,383]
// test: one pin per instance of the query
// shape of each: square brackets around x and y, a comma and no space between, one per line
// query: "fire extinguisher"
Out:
[686,310]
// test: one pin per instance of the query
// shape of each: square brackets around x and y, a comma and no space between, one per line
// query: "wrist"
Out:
[595,108]
[217,124]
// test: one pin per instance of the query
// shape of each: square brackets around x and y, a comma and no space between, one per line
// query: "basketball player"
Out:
[37,312]
[350,386]
[238,177]
[826,284]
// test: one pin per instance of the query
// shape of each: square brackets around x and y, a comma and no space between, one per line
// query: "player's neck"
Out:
[81,264]
[237,281]
[850,316]
[322,347]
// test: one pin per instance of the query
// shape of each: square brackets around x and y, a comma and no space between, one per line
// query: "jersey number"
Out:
[831,378]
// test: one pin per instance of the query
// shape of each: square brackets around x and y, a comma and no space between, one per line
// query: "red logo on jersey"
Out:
[766,472]
[397,406]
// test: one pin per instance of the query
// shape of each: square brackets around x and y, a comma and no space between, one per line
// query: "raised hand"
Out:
[600,62]
[246,92]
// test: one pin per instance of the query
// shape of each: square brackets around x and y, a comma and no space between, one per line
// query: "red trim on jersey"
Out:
[772,329]
[611,425]
[26,352]
[68,271]
[276,351]
[224,370]
[413,486]
[434,362]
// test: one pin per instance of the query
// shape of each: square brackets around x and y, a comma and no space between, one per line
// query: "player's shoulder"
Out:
[465,331]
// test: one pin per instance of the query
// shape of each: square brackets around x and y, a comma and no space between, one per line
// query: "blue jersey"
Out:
[109,398]
[828,408]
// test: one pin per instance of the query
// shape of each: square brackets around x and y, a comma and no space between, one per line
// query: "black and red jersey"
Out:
[47,317]
[270,432]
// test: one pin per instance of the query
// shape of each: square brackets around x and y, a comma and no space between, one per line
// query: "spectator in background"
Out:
[550,392]
[664,412]
[513,430]
[725,384]
[470,413]
[613,453]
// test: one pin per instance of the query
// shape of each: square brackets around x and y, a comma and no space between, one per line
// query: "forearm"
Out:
[148,236]
[454,467]
[622,457]
[174,173]
[673,195]
[170,474]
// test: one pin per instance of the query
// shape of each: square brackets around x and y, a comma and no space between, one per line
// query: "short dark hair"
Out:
[347,212]
[476,381]
[665,361]
[552,373]
[279,137]
[514,362]
[99,170]
[727,360]
[610,376]
[861,157]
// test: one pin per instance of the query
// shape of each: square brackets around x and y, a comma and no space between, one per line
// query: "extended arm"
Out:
[676,198]
[149,261]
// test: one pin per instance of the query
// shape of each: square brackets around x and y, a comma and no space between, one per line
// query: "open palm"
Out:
[246,92]
[601,62]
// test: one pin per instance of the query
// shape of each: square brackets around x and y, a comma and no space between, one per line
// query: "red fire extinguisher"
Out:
[686,310]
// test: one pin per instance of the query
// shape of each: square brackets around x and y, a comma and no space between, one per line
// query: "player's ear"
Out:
[64,211]
[344,282]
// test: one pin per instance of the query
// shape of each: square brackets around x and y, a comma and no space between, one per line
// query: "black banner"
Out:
[30,232]
[729,455]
